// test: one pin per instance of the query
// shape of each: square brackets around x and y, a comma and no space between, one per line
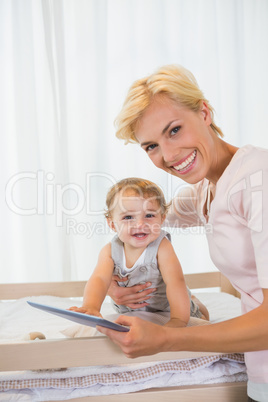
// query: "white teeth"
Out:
[186,162]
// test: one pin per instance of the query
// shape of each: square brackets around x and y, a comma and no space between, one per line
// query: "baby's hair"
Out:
[140,187]
[173,82]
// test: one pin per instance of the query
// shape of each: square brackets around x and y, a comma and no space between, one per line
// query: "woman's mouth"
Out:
[186,164]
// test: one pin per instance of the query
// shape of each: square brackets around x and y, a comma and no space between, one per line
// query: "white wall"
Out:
[66,66]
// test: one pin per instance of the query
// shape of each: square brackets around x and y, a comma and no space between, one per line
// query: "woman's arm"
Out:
[245,333]
[98,284]
[184,208]
[176,289]
[130,296]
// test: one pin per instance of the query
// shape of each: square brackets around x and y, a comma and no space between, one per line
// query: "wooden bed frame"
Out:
[49,354]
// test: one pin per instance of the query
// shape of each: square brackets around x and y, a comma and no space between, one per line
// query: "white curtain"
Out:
[65,67]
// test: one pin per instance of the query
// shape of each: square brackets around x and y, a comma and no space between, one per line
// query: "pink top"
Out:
[237,231]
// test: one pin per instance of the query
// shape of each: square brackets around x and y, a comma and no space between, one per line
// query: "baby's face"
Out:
[137,220]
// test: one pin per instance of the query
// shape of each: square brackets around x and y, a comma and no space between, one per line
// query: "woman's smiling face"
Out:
[178,140]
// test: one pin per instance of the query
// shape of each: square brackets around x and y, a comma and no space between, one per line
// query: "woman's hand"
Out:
[86,310]
[133,297]
[144,337]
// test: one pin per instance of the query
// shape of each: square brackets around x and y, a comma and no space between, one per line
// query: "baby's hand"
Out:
[86,310]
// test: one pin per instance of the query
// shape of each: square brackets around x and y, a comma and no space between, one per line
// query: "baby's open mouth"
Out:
[140,235]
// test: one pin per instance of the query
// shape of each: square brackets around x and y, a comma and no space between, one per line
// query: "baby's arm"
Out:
[176,289]
[98,284]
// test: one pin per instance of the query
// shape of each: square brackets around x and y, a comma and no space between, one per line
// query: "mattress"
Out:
[18,319]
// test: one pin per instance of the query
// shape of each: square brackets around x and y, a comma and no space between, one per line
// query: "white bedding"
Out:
[17,319]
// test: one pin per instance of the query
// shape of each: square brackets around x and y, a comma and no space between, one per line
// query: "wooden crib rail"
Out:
[75,289]
[74,352]
[11,291]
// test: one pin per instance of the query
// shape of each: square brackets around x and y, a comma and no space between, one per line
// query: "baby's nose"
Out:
[140,222]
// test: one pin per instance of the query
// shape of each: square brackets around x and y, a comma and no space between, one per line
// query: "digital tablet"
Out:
[80,318]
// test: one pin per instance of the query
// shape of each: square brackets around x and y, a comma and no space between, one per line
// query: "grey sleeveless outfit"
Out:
[148,271]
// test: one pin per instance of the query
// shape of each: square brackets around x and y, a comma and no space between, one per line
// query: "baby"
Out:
[142,252]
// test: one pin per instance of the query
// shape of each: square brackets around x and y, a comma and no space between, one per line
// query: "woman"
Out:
[167,114]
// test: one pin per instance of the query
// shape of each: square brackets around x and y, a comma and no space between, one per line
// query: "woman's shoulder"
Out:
[251,154]
[247,169]
[246,161]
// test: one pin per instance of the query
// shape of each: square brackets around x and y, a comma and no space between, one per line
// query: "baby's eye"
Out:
[150,147]
[149,215]
[175,130]
[127,217]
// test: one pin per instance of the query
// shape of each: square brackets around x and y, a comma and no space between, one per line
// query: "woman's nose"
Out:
[168,153]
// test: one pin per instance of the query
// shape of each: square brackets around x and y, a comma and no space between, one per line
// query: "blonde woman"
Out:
[168,115]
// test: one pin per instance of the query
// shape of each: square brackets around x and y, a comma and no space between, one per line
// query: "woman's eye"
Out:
[149,215]
[175,130]
[150,147]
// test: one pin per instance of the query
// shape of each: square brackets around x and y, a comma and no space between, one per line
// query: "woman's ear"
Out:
[206,114]
[111,224]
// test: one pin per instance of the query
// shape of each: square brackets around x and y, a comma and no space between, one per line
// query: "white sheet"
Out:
[17,319]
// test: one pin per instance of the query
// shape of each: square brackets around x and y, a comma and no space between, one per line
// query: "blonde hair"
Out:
[141,187]
[172,81]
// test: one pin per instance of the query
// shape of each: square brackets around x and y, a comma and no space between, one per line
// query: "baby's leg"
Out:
[202,308]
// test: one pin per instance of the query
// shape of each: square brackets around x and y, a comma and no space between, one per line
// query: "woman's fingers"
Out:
[143,338]
[136,297]
[118,279]
[135,306]
[130,295]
